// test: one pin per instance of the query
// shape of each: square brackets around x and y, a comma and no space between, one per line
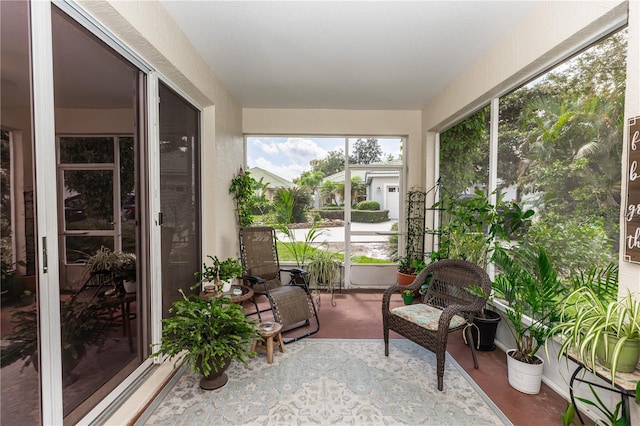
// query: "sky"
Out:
[288,157]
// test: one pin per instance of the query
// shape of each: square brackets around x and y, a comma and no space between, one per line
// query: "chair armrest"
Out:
[253,279]
[451,310]
[295,271]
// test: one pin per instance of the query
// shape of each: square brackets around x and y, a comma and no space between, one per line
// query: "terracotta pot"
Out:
[405,279]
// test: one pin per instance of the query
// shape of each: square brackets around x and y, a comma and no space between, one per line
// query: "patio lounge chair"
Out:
[447,306]
[291,303]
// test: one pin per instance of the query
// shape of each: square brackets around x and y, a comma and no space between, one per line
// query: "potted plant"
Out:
[529,285]
[474,229]
[408,269]
[27,298]
[126,271]
[324,269]
[219,274]
[208,335]
[485,324]
[407,297]
[120,265]
[603,331]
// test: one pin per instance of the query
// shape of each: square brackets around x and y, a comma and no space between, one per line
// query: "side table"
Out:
[269,331]
[246,294]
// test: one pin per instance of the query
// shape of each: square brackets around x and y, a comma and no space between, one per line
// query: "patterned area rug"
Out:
[331,382]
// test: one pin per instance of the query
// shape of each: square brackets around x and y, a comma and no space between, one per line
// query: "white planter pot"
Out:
[226,285]
[129,286]
[524,377]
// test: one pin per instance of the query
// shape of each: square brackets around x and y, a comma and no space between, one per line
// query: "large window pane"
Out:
[88,203]
[86,150]
[20,395]
[100,323]
[560,145]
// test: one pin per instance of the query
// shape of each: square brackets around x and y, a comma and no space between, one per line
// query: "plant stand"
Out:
[625,385]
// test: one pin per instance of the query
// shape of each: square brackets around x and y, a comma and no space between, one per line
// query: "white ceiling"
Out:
[283,54]
[342,54]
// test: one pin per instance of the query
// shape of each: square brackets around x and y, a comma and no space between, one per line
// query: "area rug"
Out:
[330,382]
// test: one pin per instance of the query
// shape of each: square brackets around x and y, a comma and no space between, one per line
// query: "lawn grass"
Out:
[285,253]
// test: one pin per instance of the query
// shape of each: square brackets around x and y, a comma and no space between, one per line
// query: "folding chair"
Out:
[291,303]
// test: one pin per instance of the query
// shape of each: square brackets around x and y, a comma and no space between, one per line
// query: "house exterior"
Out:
[273,182]
[381,185]
[180,100]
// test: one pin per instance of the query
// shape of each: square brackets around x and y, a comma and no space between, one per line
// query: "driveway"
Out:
[336,234]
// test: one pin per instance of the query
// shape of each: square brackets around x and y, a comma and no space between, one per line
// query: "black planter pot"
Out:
[487,328]
[216,379]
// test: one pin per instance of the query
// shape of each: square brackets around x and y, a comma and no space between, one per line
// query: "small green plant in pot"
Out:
[218,274]
[407,297]
[208,335]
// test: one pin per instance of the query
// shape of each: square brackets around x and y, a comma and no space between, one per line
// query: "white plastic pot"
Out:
[524,377]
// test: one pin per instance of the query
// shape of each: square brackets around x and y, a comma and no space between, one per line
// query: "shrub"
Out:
[367,205]
[364,216]
[573,246]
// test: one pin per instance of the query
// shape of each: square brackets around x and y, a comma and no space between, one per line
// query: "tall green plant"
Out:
[529,284]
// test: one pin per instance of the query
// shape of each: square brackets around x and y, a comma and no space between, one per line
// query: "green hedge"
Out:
[363,216]
[367,205]
[330,214]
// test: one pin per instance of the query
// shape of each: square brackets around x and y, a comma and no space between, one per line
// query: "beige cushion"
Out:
[426,316]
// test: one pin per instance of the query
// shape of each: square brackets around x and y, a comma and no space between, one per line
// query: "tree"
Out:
[366,151]
[330,190]
[310,180]
[291,204]
[331,164]
[358,190]
[464,153]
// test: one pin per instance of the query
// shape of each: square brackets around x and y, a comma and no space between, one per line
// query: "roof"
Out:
[270,179]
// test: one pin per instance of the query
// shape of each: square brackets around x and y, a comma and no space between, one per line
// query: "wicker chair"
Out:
[447,306]
[291,303]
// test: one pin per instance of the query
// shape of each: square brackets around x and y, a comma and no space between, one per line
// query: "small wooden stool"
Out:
[268,337]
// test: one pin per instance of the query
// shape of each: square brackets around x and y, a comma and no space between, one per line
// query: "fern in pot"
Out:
[208,335]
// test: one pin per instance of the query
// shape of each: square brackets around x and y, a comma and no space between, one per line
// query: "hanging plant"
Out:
[242,188]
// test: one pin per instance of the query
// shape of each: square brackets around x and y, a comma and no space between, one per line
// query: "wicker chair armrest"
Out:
[456,309]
